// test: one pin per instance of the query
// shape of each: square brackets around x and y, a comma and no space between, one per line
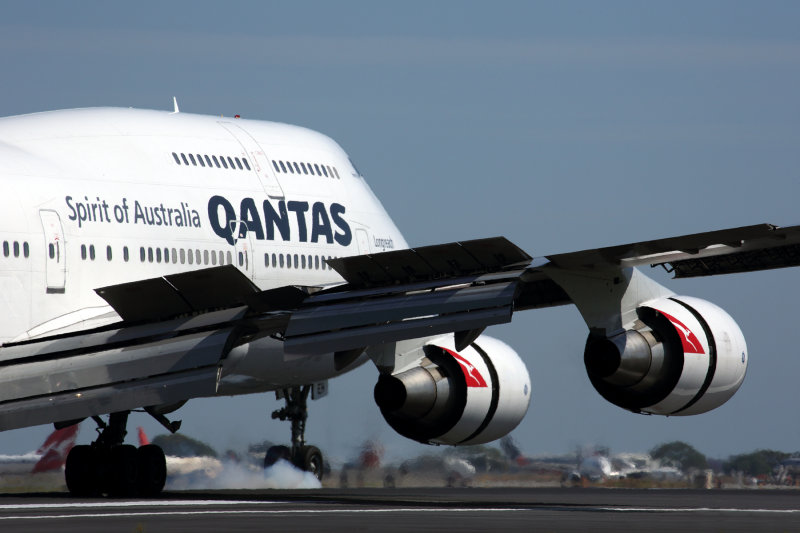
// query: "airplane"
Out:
[598,467]
[151,257]
[51,455]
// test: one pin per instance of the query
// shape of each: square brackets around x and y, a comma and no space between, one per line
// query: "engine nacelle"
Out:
[471,397]
[684,356]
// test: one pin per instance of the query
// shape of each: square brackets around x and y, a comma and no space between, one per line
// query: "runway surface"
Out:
[459,510]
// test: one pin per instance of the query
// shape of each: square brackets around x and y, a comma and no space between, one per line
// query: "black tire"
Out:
[275,454]
[81,471]
[152,470]
[310,460]
[123,471]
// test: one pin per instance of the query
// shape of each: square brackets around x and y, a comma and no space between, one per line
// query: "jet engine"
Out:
[683,356]
[473,396]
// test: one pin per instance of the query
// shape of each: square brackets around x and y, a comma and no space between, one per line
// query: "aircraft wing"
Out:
[177,330]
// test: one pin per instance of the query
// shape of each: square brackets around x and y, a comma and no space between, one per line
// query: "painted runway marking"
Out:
[205,507]
[693,510]
[133,503]
[262,512]
[310,512]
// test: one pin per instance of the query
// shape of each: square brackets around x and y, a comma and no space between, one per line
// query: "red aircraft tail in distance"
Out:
[53,453]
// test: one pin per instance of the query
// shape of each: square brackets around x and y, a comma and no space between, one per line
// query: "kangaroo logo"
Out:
[471,374]
[691,344]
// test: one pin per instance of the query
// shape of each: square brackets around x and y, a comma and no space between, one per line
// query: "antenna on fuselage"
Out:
[175,104]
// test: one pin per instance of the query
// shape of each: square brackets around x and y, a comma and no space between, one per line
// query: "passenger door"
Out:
[55,253]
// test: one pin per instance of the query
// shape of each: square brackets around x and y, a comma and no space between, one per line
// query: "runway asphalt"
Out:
[457,510]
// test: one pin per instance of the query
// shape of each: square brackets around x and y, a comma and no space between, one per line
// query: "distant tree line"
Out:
[179,445]
[686,457]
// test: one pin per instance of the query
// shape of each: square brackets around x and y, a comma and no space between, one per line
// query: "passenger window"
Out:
[303,166]
[296,262]
[324,171]
[336,172]
[283,167]
[222,159]
[304,261]
[51,251]
[190,258]
[316,167]
[221,256]
[200,160]
[230,163]
[91,252]
[316,262]
[266,260]
[83,252]
[208,161]
[141,253]
[281,258]
[274,164]
[216,161]
[150,255]
[174,256]
[185,161]
[183,256]
[108,253]
[205,257]
[291,170]
[296,167]
[238,163]
[191,157]
[158,255]
[125,256]
[311,169]
[175,157]
[229,257]
[166,255]
[241,259]
[246,164]
[274,260]
[213,258]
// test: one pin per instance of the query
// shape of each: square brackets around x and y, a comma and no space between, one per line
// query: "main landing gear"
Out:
[307,458]
[107,466]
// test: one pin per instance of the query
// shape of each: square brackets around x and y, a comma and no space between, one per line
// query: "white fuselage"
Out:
[98,197]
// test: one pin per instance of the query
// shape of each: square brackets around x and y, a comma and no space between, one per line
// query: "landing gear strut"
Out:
[307,458]
[107,466]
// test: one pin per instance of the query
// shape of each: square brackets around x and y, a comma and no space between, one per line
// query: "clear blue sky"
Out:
[562,126]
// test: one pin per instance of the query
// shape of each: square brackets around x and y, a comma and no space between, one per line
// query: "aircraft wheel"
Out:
[310,460]
[81,471]
[123,471]
[275,454]
[152,470]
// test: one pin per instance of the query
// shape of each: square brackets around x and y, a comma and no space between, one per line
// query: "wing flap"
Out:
[179,294]
[749,245]
[744,261]
[115,365]
[109,398]
[451,260]
[321,326]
